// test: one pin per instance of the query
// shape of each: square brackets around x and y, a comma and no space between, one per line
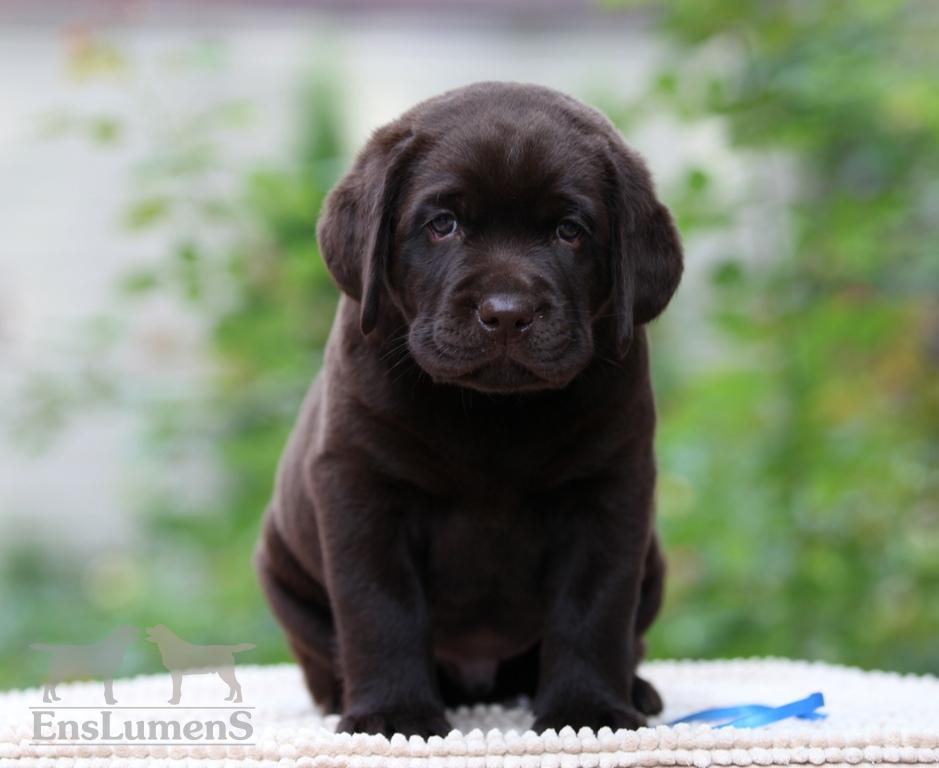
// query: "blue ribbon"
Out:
[755,715]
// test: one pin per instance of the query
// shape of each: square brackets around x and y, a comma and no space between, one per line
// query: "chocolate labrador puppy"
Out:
[465,509]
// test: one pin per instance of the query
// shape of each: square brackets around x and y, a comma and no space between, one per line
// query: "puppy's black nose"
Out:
[506,313]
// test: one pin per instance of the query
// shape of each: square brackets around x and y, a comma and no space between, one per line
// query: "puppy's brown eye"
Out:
[569,231]
[443,225]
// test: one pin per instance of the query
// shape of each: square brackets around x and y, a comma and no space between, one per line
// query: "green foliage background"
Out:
[799,494]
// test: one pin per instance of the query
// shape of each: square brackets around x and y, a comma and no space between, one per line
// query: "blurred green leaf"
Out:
[146,212]
[139,281]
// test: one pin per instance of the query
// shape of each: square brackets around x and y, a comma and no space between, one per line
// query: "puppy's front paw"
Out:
[390,722]
[592,716]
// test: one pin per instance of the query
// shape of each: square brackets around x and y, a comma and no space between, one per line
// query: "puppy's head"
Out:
[510,231]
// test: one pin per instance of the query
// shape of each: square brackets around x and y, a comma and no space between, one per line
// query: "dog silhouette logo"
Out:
[183,658]
[99,661]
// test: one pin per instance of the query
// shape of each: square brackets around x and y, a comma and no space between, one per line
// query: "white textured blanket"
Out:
[875,718]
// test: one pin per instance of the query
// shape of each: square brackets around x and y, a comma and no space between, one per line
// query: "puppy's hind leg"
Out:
[319,674]
[302,607]
[645,698]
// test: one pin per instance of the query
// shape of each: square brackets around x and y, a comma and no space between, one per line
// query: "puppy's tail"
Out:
[241,647]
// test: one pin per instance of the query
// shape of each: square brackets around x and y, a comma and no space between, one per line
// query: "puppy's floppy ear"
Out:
[356,230]
[646,248]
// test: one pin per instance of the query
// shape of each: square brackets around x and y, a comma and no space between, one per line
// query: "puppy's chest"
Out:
[488,477]
[485,557]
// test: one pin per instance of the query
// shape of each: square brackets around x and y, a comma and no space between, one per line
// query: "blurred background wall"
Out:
[163,305]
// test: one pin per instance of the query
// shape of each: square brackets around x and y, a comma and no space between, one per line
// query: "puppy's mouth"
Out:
[493,368]
[502,376]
